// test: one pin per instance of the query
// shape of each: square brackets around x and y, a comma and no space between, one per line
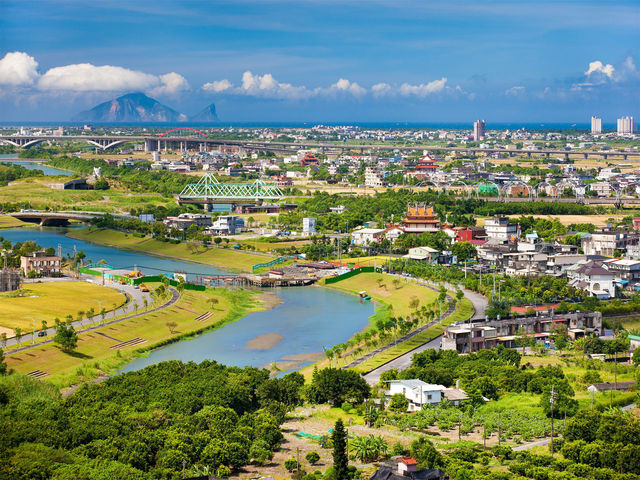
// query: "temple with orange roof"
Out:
[421,219]
[424,168]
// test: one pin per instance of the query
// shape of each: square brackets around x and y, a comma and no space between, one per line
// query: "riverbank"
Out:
[7,221]
[398,297]
[107,349]
[225,258]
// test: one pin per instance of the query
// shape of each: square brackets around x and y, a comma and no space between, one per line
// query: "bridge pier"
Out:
[528,154]
[566,156]
[151,145]
[586,156]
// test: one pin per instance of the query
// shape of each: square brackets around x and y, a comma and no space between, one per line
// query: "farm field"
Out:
[51,300]
[225,258]
[95,353]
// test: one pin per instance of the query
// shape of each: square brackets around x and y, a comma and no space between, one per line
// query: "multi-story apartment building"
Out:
[478,130]
[606,240]
[596,126]
[500,228]
[373,177]
[41,263]
[478,336]
[626,126]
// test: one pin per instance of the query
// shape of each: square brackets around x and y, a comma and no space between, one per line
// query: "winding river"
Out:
[33,165]
[292,334]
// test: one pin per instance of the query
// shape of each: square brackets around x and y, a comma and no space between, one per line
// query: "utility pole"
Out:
[499,430]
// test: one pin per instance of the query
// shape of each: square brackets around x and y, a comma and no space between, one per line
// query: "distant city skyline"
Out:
[329,61]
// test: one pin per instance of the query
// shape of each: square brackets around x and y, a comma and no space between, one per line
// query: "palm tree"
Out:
[135,306]
[146,304]
[368,449]
[80,316]
[103,313]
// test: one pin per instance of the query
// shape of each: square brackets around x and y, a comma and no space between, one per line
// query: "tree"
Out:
[336,386]
[463,251]
[399,403]
[66,337]
[340,458]
[18,334]
[3,366]
[171,326]
[368,449]
[312,457]
[291,464]
[423,451]
[3,339]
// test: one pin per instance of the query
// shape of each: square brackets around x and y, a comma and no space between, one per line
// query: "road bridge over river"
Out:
[57,219]
[196,139]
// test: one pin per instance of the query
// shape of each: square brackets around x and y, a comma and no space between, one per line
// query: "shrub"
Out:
[347,407]
[291,464]
[312,457]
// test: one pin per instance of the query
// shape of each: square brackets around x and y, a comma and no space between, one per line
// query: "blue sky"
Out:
[322,60]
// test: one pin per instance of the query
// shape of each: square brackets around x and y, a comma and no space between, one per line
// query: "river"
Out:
[307,320]
[33,165]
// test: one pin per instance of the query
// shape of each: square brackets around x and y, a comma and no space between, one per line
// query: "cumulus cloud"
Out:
[598,67]
[267,86]
[345,85]
[423,90]
[381,89]
[18,69]
[217,86]
[85,77]
[515,91]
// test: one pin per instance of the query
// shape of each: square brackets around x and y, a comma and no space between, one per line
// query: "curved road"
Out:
[133,296]
[403,362]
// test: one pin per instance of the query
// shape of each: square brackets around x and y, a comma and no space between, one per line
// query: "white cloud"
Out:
[18,68]
[423,90]
[266,85]
[217,86]
[171,83]
[515,91]
[381,89]
[85,77]
[598,67]
[345,85]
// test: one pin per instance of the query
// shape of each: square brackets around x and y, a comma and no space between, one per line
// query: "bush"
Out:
[291,464]
[312,457]
[347,407]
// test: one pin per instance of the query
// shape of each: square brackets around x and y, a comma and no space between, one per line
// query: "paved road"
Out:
[540,443]
[403,362]
[134,296]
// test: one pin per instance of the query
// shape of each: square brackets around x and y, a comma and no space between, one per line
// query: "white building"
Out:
[596,126]
[373,177]
[500,228]
[366,236]
[417,392]
[224,225]
[478,130]
[427,254]
[594,278]
[626,126]
[308,225]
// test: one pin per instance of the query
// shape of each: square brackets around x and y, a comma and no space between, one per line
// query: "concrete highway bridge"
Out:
[200,141]
[58,219]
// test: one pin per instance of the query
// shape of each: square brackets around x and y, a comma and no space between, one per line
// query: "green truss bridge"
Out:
[209,190]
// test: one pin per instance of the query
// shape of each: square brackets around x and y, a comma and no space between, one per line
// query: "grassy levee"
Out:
[40,196]
[7,221]
[51,300]
[95,355]
[462,312]
[393,299]
[225,258]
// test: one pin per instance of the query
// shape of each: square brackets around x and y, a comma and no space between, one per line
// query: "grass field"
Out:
[226,258]
[7,221]
[382,289]
[94,354]
[41,196]
[51,300]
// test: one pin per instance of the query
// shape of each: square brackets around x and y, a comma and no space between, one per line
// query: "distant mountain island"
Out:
[139,108]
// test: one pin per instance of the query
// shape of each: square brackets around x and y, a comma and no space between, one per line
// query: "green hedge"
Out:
[352,273]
